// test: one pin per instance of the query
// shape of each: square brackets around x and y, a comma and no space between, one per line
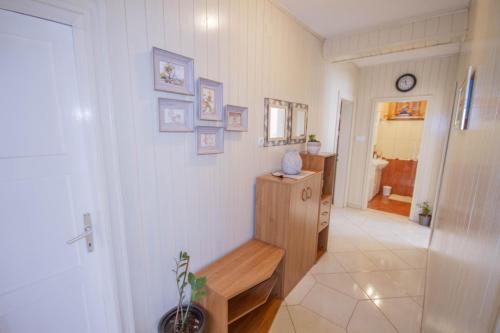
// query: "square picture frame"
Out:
[464,100]
[209,140]
[175,115]
[210,100]
[236,118]
[173,72]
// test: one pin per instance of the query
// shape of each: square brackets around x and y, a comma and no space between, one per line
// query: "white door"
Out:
[343,149]
[46,285]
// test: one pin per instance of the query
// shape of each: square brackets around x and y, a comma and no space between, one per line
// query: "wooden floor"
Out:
[379,202]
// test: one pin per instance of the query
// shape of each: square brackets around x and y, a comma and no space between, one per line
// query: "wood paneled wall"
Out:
[174,199]
[400,175]
[436,79]
[410,34]
[462,293]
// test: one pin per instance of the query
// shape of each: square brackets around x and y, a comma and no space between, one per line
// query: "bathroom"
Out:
[397,136]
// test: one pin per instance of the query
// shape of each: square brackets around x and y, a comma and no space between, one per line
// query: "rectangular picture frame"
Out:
[175,115]
[236,118]
[173,72]
[209,140]
[210,100]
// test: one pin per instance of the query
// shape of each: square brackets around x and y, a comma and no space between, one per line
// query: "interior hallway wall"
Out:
[174,199]
[436,79]
[463,274]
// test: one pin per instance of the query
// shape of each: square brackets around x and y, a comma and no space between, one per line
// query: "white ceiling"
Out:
[331,17]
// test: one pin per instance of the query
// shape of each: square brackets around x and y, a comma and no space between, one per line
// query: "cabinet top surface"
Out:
[322,154]
[243,268]
[285,180]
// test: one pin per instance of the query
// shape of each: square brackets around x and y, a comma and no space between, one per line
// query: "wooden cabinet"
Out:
[324,163]
[287,216]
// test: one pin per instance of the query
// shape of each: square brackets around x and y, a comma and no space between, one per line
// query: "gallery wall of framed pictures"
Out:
[174,74]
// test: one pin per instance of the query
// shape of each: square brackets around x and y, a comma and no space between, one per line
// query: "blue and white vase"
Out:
[291,164]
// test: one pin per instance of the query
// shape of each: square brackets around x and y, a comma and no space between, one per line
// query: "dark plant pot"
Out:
[424,220]
[197,313]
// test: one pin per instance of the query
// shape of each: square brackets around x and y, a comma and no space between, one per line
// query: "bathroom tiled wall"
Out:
[399,139]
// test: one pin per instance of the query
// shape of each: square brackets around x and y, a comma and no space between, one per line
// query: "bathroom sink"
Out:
[379,163]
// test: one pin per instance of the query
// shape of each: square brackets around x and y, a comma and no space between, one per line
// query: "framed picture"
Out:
[236,118]
[173,72]
[276,122]
[210,102]
[463,101]
[176,115]
[299,123]
[210,140]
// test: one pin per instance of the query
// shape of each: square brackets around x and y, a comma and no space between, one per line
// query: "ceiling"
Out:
[331,17]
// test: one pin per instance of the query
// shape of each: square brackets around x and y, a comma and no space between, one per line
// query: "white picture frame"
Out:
[210,100]
[209,140]
[173,72]
[236,118]
[175,115]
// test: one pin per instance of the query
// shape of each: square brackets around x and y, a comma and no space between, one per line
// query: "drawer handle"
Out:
[326,202]
[304,195]
[324,213]
[323,223]
[309,193]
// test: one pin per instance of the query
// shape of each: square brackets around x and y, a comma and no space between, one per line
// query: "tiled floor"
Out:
[370,280]
[379,202]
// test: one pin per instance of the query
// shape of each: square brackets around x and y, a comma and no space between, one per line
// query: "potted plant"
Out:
[186,317]
[313,145]
[424,217]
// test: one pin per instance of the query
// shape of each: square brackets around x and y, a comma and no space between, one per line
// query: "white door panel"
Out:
[343,149]
[46,285]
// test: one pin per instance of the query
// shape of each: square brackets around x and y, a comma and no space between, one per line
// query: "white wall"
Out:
[340,84]
[435,79]
[399,139]
[462,293]
[410,34]
[175,200]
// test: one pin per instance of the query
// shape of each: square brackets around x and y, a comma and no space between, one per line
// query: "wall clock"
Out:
[406,82]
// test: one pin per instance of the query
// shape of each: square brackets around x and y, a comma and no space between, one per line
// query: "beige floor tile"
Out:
[306,321]
[378,285]
[282,322]
[300,291]
[404,313]
[327,264]
[341,244]
[415,258]
[343,283]
[355,262]
[385,260]
[330,304]
[412,280]
[369,244]
[367,318]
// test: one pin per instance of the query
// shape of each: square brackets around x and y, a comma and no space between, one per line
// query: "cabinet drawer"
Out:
[323,222]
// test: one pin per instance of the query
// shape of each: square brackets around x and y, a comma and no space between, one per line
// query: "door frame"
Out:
[369,153]
[86,19]
[349,143]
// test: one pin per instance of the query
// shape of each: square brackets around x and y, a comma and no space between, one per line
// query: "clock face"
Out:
[406,82]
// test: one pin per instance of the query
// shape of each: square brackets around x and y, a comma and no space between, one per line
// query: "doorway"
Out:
[344,131]
[395,150]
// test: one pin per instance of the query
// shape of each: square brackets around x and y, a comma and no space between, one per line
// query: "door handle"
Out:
[304,194]
[87,234]
[309,193]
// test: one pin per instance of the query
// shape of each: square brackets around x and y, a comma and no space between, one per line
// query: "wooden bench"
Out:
[245,288]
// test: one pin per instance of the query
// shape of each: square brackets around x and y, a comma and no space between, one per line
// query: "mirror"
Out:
[276,122]
[299,122]
[277,117]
